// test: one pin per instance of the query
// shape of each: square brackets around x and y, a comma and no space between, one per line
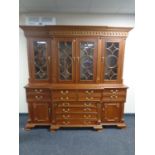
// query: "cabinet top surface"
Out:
[75,86]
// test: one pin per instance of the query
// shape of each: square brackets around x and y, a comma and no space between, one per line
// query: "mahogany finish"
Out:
[75,76]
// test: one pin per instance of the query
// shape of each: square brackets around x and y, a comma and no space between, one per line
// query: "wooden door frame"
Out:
[57,60]
[31,60]
[95,40]
[119,61]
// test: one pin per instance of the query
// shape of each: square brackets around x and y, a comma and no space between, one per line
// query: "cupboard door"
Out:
[39,60]
[111,112]
[41,112]
[65,60]
[112,58]
[86,60]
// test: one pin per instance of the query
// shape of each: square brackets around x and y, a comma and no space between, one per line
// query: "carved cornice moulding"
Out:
[89,33]
[52,31]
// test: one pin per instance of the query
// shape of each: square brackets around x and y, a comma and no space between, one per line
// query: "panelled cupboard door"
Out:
[111,112]
[112,51]
[41,112]
[86,56]
[65,56]
[39,60]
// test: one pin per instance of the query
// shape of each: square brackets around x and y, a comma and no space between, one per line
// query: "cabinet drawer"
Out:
[76,122]
[75,110]
[114,98]
[64,93]
[111,91]
[64,98]
[76,116]
[38,90]
[76,104]
[38,97]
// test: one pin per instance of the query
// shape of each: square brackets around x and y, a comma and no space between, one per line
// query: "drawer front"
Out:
[64,98]
[59,93]
[38,90]
[38,97]
[76,110]
[114,98]
[111,91]
[89,95]
[76,104]
[76,116]
[76,122]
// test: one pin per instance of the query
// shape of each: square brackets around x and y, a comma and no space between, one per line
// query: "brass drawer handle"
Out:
[114,96]
[61,98]
[87,109]
[38,90]
[38,97]
[87,104]
[89,98]
[64,92]
[87,116]
[66,122]
[87,122]
[89,92]
[66,116]
[65,104]
[66,110]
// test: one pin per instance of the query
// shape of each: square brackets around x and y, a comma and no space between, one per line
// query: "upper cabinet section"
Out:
[75,54]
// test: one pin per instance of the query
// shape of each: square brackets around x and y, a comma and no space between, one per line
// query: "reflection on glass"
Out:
[40,62]
[65,60]
[111,58]
[86,60]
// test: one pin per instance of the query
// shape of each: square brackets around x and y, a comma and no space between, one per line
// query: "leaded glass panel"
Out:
[65,60]
[40,61]
[111,59]
[86,60]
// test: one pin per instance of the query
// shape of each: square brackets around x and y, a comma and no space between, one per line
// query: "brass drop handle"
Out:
[87,109]
[87,104]
[38,97]
[38,90]
[65,104]
[61,98]
[78,59]
[102,59]
[49,59]
[87,116]
[65,110]
[64,92]
[66,122]
[65,116]
[87,122]
[73,59]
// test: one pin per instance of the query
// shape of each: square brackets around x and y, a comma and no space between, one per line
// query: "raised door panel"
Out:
[112,60]
[65,51]
[86,56]
[39,60]
[111,112]
[41,112]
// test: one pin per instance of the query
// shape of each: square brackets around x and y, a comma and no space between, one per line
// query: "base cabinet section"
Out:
[75,108]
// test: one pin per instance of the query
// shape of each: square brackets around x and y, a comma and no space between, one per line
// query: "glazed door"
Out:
[111,61]
[39,60]
[65,51]
[86,55]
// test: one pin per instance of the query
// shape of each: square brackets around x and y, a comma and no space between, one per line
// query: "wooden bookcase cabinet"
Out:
[75,76]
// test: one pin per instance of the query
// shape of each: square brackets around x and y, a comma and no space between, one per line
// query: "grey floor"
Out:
[111,141]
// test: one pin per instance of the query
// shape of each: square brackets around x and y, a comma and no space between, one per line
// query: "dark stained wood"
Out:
[75,103]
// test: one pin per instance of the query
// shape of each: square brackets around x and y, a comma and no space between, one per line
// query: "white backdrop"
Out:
[83,19]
